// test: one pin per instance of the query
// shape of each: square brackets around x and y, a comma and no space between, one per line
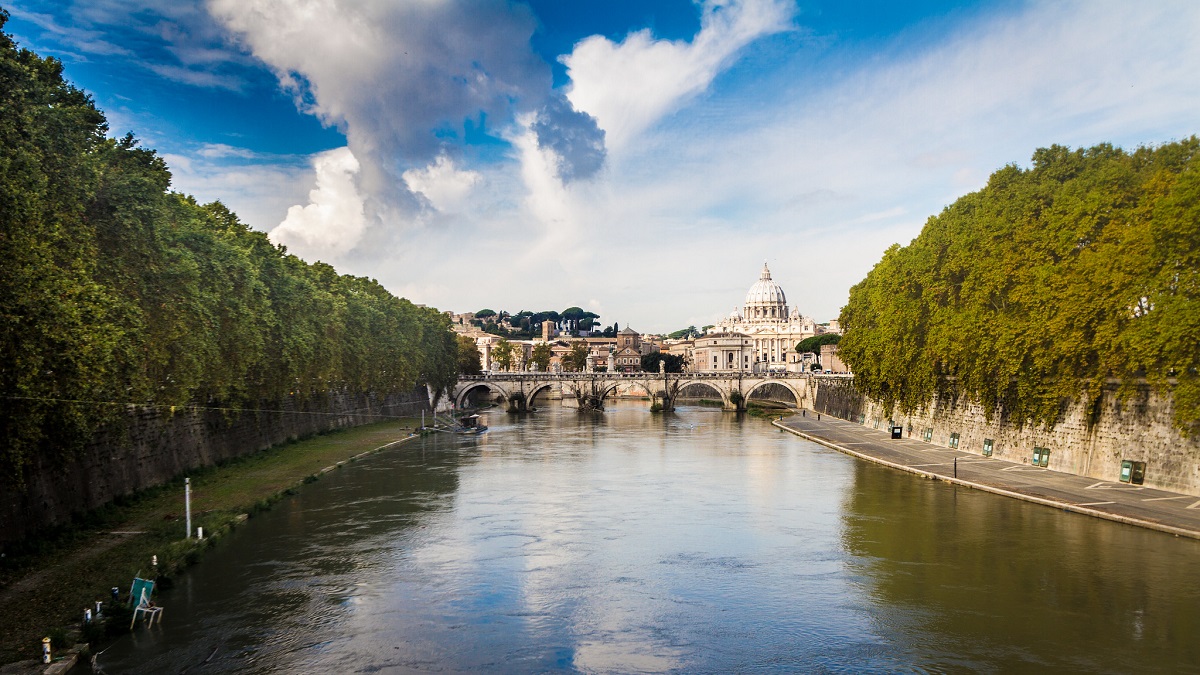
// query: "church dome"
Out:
[765,291]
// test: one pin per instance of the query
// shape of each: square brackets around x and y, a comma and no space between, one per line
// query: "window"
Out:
[954,440]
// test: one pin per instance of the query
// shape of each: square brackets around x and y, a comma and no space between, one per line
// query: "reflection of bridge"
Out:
[591,389]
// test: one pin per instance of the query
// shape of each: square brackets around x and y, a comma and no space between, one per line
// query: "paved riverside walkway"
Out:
[1170,512]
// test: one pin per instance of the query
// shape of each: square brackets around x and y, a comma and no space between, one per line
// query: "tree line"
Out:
[1042,287]
[526,324]
[114,290]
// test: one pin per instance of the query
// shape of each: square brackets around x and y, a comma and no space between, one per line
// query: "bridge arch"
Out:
[722,392]
[797,394]
[537,389]
[612,386]
[465,388]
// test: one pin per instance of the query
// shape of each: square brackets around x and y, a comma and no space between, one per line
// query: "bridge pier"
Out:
[517,403]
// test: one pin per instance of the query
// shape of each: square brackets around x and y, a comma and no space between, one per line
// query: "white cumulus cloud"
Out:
[442,183]
[333,221]
[627,86]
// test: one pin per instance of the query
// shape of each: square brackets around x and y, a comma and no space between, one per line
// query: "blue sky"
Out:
[637,158]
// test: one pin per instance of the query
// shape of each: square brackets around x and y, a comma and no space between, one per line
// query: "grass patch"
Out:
[76,565]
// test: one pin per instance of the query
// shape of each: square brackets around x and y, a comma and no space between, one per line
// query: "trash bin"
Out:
[1041,457]
[1138,475]
[1126,471]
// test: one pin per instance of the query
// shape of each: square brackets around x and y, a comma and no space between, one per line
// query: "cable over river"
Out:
[698,541]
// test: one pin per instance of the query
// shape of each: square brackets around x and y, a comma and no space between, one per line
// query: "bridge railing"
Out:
[713,375]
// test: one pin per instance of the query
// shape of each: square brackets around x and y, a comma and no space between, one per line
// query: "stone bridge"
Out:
[590,390]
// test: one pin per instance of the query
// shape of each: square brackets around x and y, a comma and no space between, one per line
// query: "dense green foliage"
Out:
[541,356]
[116,291]
[684,333]
[813,344]
[525,324]
[650,362]
[469,358]
[1037,289]
[575,361]
[503,354]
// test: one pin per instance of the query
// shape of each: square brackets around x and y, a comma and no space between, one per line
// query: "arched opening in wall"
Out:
[772,394]
[634,390]
[480,396]
[540,397]
[699,393]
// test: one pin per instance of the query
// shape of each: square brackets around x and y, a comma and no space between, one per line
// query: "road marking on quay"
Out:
[1197,504]
[1095,503]
[1109,486]
[1163,499]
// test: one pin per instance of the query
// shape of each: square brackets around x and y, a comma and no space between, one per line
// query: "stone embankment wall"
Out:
[1136,429]
[155,445]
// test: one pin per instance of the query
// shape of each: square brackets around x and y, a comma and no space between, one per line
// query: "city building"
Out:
[718,352]
[772,329]
[830,360]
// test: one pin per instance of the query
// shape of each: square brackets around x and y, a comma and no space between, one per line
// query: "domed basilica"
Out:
[771,328]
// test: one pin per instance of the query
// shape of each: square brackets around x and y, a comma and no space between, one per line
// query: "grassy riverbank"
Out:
[48,586]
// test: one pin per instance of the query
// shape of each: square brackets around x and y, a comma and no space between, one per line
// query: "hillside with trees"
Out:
[525,325]
[116,291]
[1041,287]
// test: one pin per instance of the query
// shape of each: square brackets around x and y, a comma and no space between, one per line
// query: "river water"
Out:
[698,541]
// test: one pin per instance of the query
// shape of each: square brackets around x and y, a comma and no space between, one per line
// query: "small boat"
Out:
[470,424]
[467,424]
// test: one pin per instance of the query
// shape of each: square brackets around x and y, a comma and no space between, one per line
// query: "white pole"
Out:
[187,504]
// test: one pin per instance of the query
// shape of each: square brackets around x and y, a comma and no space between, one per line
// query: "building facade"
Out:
[772,329]
[722,352]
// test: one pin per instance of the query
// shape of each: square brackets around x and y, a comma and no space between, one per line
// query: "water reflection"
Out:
[694,542]
[968,579]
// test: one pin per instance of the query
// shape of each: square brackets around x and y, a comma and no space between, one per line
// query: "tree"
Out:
[813,344]
[1042,287]
[469,358]
[541,356]
[116,292]
[576,360]
[503,354]
[578,318]
[684,333]
[484,314]
[650,362]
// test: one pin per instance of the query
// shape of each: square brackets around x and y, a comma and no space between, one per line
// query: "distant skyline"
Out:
[638,159]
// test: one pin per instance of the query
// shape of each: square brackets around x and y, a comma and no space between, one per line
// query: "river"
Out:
[698,541]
